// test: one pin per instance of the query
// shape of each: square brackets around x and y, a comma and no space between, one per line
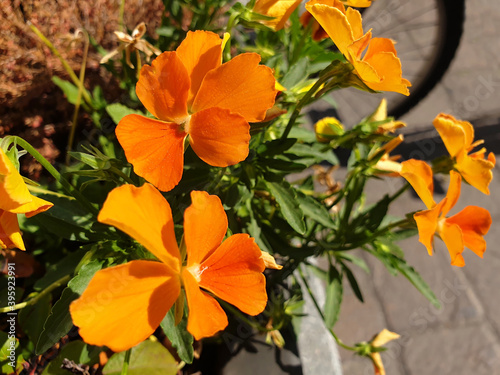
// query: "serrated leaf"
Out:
[178,335]
[149,357]
[59,321]
[315,210]
[117,111]
[334,292]
[287,200]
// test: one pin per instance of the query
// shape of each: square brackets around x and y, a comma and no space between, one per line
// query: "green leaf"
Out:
[315,210]
[317,152]
[353,282]
[76,351]
[333,300]
[414,277]
[287,200]
[31,318]
[353,259]
[376,213]
[59,321]
[66,219]
[70,90]
[296,74]
[178,335]
[149,357]
[66,266]
[117,111]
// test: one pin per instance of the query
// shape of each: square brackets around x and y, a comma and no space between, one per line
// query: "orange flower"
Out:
[389,165]
[317,32]
[191,93]
[382,338]
[15,198]
[458,138]
[279,9]
[379,67]
[465,229]
[143,291]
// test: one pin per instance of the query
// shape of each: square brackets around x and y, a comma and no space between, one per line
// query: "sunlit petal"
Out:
[13,190]
[206,317]
[123,305]
[234,273]
[163,87]
[419,174]
[219,137]
[279,9]
[205,225]
[474,222]
[453,192]
[34,207]
[144,215]
[452,237]
[455,135]
[477,172]
[154,148]
[241,86]
[427,224]
[200,52]
[10,234]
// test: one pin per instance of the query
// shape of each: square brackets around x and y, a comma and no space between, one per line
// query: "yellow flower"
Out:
[458,138]
[327,129]
[358,3]
[129,43]
[279,9]
[378,341]
[15,198]
[374,59]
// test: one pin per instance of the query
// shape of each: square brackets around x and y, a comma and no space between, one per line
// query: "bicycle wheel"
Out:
[427,33]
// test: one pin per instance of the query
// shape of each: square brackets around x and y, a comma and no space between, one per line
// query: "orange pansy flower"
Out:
[191,92]
[465,229]
[458,137]
[279,9]
[379,67]
[142,291]
[15,198]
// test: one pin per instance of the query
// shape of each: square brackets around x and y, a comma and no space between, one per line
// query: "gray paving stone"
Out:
[456,351]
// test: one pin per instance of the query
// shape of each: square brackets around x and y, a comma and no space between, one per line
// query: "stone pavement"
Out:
[463,337]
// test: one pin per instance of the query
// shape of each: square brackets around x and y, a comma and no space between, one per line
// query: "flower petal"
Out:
[419,174]
[206,317]
[234,273]
[382,56]
[279,9]
[163,88]
[452,237]
[219,137]
[200,52]
[334,21]
[205,225]
[427,224]
[34,207]
[10,234]
[477,172]
[144,215]
[453,192]
[13,190]
[154,148]
[137,294]
[456,135]
[240,85]
[474,222]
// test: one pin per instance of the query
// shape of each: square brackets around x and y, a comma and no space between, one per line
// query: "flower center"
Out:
[196,270]
[184,123]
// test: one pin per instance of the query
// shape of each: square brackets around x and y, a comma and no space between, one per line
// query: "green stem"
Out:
[324,76]
[70,189]
[118,172]
[56,284]
[65,64]
[79,96]
[122,12]
[306,34]
[316,305]
[126,362]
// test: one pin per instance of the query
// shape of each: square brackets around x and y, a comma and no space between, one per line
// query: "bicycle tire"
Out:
[453,15]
